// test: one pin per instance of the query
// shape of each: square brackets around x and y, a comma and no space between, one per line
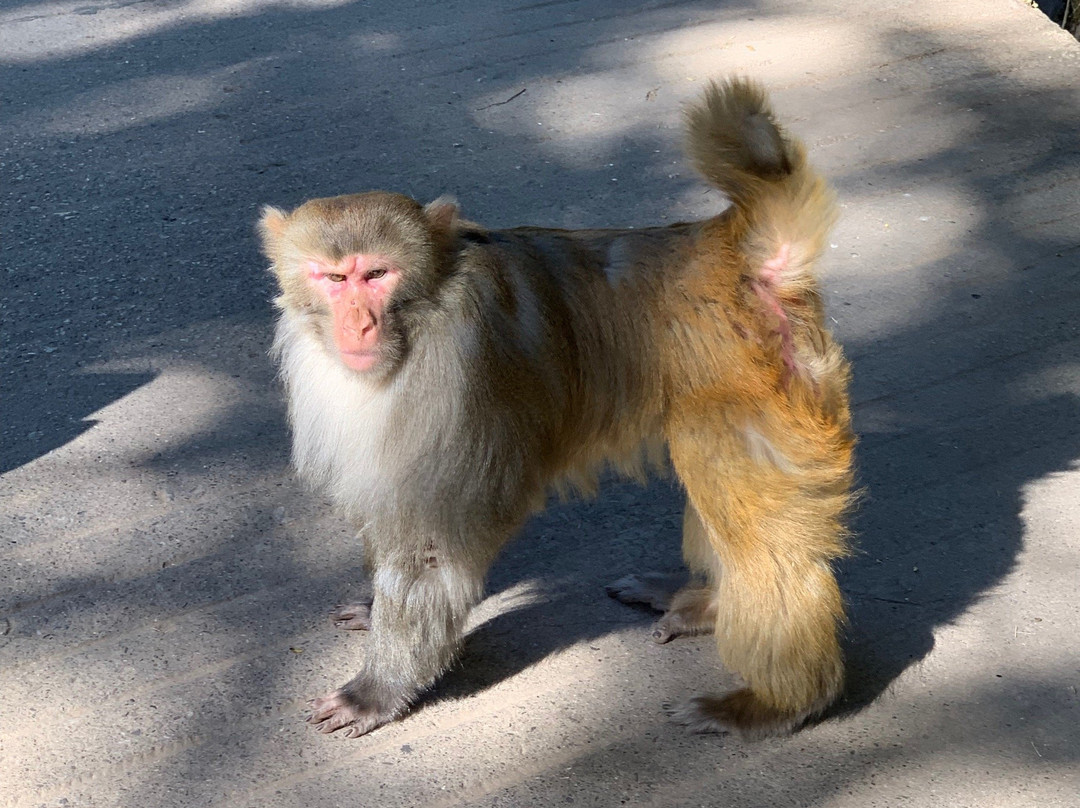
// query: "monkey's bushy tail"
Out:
[787,207]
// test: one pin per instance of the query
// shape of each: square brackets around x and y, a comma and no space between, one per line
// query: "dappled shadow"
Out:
[654,768]
[40,417]
[941,525]
[587,543]
[147,161]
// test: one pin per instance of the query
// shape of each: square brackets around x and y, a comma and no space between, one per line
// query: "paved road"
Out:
[164,581]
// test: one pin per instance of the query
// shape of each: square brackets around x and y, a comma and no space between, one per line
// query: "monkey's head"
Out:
[352,266]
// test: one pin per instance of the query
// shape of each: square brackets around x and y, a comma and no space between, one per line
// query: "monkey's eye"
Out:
[333,277]
[375,274]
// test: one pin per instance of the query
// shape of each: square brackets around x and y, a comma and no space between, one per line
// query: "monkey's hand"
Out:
[355,708]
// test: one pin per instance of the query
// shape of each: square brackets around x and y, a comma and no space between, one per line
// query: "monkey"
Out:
[443,378]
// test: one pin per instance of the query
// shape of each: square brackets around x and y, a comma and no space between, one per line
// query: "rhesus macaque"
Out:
[442,377]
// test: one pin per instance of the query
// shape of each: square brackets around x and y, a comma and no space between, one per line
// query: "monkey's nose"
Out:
[362,322]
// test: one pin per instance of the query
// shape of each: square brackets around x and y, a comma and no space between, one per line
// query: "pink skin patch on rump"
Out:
[764,287]
[355,288]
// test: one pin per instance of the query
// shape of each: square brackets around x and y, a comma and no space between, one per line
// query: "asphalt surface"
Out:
[165,581]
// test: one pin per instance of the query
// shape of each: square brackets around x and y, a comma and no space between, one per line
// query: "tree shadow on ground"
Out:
[170,214]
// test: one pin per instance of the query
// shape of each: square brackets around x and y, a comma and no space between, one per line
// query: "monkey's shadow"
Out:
[959,533]
[563,560]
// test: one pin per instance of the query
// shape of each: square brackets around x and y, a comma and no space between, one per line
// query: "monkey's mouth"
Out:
[360,360]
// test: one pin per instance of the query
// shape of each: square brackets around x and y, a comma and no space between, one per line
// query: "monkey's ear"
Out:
[272,225]
[443,213]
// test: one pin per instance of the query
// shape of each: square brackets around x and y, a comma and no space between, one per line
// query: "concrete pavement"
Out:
[164,580]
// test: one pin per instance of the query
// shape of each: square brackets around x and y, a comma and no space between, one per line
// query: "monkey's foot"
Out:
[352,616]
[343,710]
[692,612]
[688,612]
[741,710]
[654,589]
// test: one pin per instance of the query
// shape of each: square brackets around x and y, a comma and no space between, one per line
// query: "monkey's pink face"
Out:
[355,290]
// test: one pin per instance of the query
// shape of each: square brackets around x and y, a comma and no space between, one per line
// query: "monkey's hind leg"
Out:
[772,524]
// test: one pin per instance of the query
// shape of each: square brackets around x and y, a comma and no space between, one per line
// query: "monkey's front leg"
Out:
[417,617]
